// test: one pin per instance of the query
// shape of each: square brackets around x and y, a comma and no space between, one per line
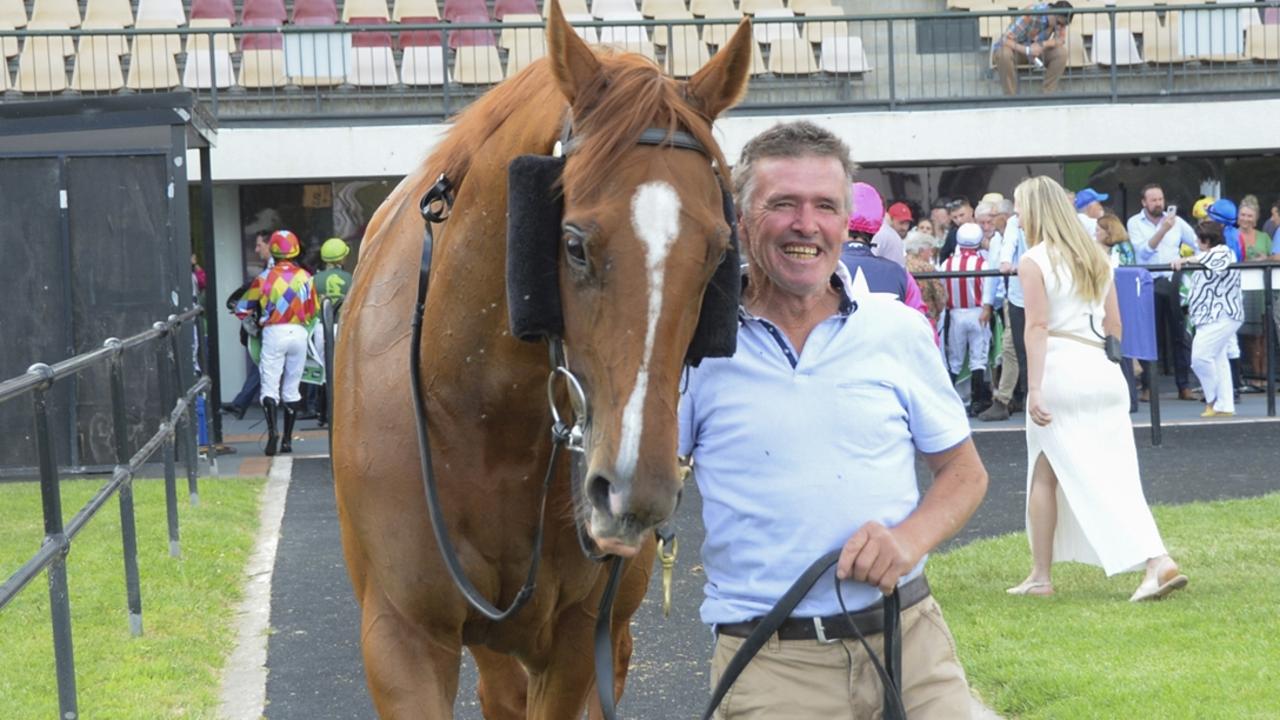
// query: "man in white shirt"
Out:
[1158,234]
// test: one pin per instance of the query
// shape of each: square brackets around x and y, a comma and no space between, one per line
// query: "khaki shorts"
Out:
[806,679]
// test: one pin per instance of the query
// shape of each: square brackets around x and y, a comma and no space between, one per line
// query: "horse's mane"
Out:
[629,95]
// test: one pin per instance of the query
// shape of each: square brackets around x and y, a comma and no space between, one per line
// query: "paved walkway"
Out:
[312,655]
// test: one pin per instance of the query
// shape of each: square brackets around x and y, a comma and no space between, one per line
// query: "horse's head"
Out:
[643,230]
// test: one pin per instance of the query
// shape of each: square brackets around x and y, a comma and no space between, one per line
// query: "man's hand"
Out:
[1168,221]
[1006,267]
[1036,49]
[876,556]
[985,318]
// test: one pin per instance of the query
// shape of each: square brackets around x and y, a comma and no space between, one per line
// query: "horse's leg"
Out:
[411,673]
[504,685]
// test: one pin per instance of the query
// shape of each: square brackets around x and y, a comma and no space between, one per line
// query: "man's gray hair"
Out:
[1004,207]
[790,140]
[984,208]
[917,241]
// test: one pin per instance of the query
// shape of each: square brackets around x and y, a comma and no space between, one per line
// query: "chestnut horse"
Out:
[643,231]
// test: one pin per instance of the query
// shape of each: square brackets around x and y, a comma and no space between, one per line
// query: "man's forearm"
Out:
[959,484]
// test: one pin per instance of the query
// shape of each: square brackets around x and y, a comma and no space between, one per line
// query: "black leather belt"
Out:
[869,621]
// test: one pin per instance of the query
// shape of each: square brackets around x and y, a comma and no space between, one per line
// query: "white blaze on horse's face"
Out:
[655,218]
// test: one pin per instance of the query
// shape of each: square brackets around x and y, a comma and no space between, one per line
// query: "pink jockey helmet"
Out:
[868,209]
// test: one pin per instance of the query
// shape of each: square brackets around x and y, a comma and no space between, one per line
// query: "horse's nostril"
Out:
[598,494]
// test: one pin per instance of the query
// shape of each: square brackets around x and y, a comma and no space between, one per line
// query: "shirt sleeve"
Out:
[251,301]
[687,433]
[934,412]
[1216,263]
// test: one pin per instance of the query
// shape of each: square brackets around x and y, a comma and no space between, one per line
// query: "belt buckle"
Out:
[821,632]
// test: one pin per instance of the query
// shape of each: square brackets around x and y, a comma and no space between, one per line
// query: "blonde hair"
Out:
[1114,228]
[1048,218]
[1250,201]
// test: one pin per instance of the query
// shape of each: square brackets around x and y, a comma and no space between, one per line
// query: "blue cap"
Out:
[1223,211]
[1087,196]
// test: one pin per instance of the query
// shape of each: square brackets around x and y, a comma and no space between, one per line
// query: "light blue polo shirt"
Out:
[794,452]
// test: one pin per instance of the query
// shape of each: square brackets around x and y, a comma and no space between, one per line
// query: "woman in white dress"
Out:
[1084,493]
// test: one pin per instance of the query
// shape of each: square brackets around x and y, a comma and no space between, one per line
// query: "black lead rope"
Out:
[769,624]
[435,209]
[604,641]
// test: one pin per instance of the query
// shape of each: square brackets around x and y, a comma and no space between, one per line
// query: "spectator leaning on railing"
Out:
[1217,311]
[1035,38]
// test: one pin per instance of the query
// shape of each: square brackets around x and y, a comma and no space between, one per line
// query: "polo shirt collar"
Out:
[846,308]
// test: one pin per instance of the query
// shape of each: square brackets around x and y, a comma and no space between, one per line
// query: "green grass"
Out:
[173,670]
[1210,651]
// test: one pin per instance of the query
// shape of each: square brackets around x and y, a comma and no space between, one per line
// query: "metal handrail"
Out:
[38,381]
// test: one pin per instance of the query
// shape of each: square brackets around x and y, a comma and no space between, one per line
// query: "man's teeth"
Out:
[802,251]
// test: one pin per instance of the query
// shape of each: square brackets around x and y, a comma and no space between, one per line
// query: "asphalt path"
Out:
[314,663]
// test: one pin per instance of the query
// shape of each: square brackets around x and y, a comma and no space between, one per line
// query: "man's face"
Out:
[941,218]
[262,248]
[902,226]
[1001,220]
[1247,218]
[925,226]
[987,222]
[961,215]
[1153,201]
[1094,210]
[797,222]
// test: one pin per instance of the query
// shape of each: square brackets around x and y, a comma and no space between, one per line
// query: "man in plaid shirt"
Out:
[1034,37]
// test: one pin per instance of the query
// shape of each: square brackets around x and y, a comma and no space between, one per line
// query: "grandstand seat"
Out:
[471,37]
[372,62]
[1214,35]
[751,7]
[660,31]
[161,13]
[8,45]
[717,34]
[4,77]
[624,35]
[993,26]
[13,14]
[1077,54]
[651,8]
[205,67]
[108,13]
[423,60]
[791,56]
[315,12]
[352,9]
[843,56]
[1126,48]
[221,41]
[401,10]
[758,65]
[1262,42]
[685,52]
[568,7]
[816,30]
[254,11]
[173,42]
[502,8]
[57,13]
[261,67]
[608,9]
[473,10]
[66,42]
[42,66]
[1086,25]
[579,23]
[421,38]
[151,64]
[477,65]
[213,10]
[507,37]
[802,7]
[1162,43]
[1271,16]
[713,8]
[767,33]
[526,46]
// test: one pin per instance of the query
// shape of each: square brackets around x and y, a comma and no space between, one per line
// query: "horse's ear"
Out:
[722,82]
[572,62]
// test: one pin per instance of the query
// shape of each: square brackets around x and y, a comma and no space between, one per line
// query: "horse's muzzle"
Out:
[620,514]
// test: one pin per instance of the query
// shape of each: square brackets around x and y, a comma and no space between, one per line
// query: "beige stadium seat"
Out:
[639,47]
[1086,25]
[1262,42]
[713,8]
[1077,55]
[56,13]
[119,43]
[372,67]
[42,67]
[171,41]
[4,77]
[993,26]
[477,65]
[151,64]
[414,9]
[751,7]
[365,9]
[817,30]
[660,31]
[766,33]
[651,8]
[13,14]
[1162,43]
[974,5]
[507,38]
[9,45]
[206,68]
[221,41]
[758,65]
[108,13]
[605,9]
[262,68]
[802,7]
[1126,48]
[623,35]
[717,34]
[579,22]
[97,65]
[526,46]
[423,65]
[791,56]
[66,42]
[568,7]
[843,56]
[685,52]
[162,13]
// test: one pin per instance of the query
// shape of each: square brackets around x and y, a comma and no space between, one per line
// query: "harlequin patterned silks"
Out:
[283,293]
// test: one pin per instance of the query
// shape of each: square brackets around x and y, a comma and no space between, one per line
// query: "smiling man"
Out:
[805,441]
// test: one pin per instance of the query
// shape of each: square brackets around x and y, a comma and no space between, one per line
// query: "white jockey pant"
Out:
[965,333]
[1209,361]
[284,353]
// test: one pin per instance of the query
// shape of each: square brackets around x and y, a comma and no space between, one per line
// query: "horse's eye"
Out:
[575,249]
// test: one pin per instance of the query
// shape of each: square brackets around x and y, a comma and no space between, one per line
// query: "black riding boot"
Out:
[977,392]
[322,406]
[290,416]
[269,409]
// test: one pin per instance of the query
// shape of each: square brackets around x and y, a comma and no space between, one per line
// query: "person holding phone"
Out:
[1158,235]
